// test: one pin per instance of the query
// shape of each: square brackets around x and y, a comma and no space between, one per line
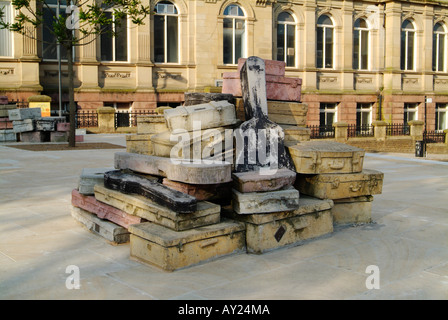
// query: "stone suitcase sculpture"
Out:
[170,250]
[326,157]
[340,186]
[356,210]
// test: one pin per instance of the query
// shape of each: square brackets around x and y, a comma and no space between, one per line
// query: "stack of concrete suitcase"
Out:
[7,133]
[176,210]
[32,127]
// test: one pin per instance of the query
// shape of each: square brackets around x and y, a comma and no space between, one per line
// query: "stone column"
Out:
[416,129]
[446,136]
[340,131]
[106,119]
[379,129]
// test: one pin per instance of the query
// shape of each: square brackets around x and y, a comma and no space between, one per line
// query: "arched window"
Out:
[234,35]
[439,48]
[324,54]
[360,45]
[407,45]
[166,33]
[286,39]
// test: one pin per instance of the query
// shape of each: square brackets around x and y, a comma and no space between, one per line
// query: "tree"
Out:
[82,20]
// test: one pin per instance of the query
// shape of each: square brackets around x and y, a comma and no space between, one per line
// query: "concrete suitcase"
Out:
[280,112]
[103,211]
[205,142]
[326,157]
[340,186]
[139,143]
[90,177]
[106,229]
[5,123]
[356,210]
[209,115]
[7,135]
[25,113]
[195,98]
[4,109]
[207,212]
[265,232]
[48,123]
[35,136]
[286,199]
[170,250]
[151,124]
[182,171]
[25,125]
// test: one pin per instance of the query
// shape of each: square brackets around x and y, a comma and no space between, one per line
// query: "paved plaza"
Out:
[407,241]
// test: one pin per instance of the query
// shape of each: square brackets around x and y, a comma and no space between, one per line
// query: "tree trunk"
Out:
[71,96]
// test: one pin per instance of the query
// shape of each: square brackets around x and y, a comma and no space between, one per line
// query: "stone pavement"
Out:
[39,239]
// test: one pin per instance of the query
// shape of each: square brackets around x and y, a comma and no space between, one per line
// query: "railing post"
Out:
[379,130]
[416,129]
[340,131]
[106,119]
[446,136]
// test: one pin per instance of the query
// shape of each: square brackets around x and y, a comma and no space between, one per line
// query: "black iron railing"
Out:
[86,119]
[124,118]
[321,132]
[398,129]
[434,137]
[360,131]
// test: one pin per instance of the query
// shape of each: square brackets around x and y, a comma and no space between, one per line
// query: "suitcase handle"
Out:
[208,243]
[337,164]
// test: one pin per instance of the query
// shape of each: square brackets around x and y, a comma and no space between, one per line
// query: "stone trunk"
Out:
[35,136]
[356,210]
[103,211]
[254,181]
[26,113]
[24,125]
[139,143]
[266,232]
[208,192]
[182,171]
[326,157]
[207,213]
[149,188]
[106,229]
[90,177]
[210,115]
[339,186]
[170,250]
[286,199]
[7,135]
[48,123]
